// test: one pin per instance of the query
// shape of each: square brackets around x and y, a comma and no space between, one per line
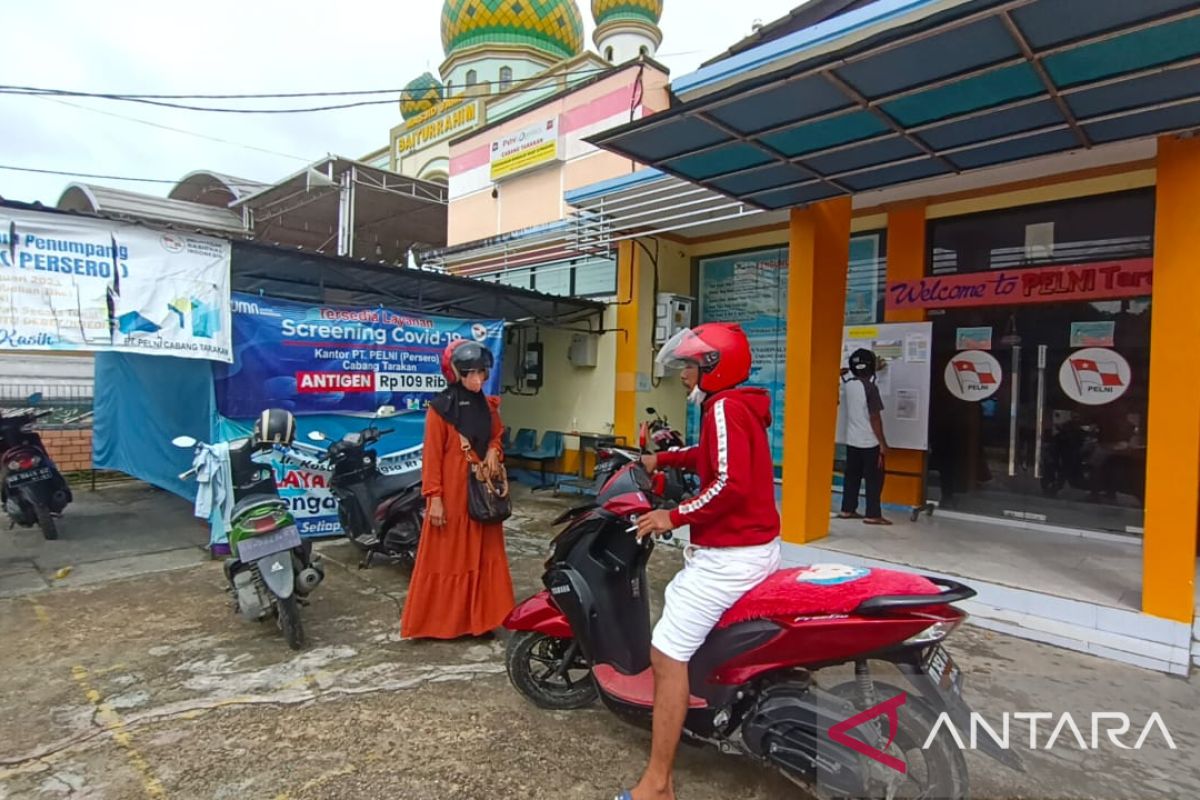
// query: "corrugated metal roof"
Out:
[120,203]
[214,188]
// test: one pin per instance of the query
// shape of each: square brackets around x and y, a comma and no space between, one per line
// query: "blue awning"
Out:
[903,90]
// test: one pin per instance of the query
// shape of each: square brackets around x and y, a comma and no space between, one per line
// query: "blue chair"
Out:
[551,449]
[506,439]
[526,442]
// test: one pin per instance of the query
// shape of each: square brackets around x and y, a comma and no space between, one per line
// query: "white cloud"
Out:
[237,47]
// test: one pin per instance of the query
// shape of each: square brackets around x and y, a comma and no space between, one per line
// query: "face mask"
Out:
[697,396]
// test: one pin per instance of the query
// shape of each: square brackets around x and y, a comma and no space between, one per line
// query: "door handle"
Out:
[1013,408]
[1041,411]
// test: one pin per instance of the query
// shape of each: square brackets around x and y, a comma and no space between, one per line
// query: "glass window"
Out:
[751,288]
[867,278]
[596,279]
[608,54]
[521,278]
[472,77]
[1115,226]
[505,78]
[553,279]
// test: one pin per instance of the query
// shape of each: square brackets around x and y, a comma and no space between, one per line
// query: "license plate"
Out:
[32,476]
[268,544]
[940,667]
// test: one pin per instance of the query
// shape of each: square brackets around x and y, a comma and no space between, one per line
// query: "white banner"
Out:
[73,283]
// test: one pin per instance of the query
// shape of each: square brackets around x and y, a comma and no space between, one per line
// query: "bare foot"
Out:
[644,791]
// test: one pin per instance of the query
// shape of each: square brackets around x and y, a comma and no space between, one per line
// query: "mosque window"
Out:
[645,51]
[472,77]
[505,78]
[608,54]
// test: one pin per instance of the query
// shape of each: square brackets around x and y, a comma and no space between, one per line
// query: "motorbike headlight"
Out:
[35,461]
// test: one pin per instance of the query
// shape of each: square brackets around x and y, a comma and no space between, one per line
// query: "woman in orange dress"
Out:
[460,585]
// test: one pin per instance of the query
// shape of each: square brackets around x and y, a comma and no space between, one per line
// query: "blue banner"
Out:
[338,360]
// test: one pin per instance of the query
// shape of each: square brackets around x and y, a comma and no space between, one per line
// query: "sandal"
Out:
[877,521]
[850,515]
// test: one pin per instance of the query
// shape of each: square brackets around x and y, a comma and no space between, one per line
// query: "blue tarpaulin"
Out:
[142,404]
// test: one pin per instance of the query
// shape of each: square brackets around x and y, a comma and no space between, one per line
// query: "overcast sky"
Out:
[222,46]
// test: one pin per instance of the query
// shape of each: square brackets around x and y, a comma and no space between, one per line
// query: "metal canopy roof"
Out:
[341,204]
[316,278]
[903,90]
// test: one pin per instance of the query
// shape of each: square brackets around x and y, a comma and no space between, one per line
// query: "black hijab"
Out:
[468,412]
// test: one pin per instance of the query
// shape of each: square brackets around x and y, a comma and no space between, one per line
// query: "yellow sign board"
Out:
[525,149]
[454,116]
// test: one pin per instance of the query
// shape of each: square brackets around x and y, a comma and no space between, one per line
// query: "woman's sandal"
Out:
[880,521]
[853,515]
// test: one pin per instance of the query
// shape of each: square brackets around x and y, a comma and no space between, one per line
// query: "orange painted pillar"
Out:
[1173,427]
[905,482]
[818,261]
[629,340]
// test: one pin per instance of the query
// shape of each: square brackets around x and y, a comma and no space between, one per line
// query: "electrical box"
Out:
[531,366]
[585,349]
[672,313]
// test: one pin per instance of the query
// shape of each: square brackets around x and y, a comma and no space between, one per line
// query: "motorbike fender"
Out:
[952,703]
[277,573]
[538,614]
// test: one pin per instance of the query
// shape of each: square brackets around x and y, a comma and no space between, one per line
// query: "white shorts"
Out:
[711,581]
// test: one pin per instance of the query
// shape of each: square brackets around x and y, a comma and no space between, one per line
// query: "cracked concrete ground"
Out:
[147,686]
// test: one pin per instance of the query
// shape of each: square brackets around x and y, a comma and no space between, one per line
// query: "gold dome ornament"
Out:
[554,27]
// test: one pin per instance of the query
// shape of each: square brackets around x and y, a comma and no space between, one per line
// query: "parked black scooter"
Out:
[380,512]
[32,489]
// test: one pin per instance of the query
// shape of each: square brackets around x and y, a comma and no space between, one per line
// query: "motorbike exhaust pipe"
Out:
[308,580]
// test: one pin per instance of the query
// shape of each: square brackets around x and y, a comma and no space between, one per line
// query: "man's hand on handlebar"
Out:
[650,462]
[654,522]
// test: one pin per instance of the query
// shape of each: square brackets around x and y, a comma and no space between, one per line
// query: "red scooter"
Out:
[753,683]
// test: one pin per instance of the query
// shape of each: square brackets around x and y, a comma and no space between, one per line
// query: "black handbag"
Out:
[488,499]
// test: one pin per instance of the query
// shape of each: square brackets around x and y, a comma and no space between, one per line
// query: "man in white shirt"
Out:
[866,446]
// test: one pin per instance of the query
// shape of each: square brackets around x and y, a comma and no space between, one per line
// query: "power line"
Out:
[176,130]
[84,175]
[163,101]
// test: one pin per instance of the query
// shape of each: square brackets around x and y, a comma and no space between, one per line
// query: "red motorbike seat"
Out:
[821,590]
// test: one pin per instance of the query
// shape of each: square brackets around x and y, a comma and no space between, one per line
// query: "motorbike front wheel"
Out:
[551,672]
[287,610]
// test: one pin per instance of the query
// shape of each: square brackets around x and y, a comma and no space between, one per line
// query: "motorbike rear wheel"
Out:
[287,611]
[46,522]
[938,773]
[538,669]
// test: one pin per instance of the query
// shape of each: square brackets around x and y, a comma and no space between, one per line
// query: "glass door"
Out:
[1039,413]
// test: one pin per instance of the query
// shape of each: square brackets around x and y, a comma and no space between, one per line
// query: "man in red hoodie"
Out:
[734,523]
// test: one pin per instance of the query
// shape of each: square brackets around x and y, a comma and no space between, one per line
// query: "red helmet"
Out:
[462,356]
[720,349]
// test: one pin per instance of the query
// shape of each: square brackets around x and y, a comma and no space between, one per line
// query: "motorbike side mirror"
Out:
[386,411]
[317,436]
[185,442]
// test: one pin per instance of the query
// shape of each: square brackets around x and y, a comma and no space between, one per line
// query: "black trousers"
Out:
[862,463]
